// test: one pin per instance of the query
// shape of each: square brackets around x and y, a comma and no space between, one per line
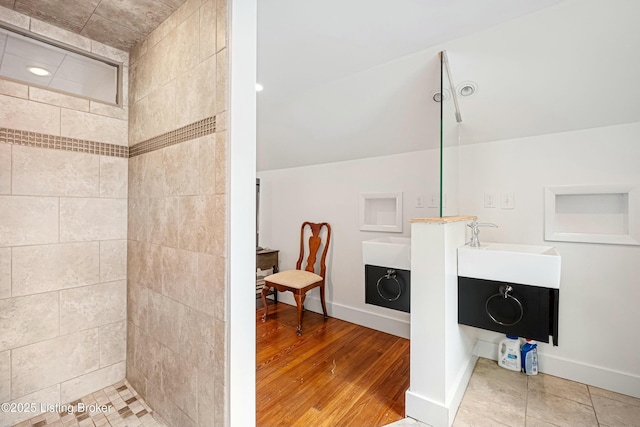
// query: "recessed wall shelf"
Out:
[592,214]
[381,212]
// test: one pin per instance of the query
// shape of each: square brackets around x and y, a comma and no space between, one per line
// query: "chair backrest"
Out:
[315,241]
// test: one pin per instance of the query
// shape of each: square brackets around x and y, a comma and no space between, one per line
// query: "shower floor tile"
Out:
[118,405]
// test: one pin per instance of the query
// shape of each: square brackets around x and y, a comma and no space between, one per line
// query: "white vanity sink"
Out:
[524,264]
[393,252]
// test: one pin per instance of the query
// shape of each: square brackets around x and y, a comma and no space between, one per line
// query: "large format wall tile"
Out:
[5,273]
[92,306]
[221,162]
[5,168]
[165,319]
[207,164]
[113,343]
[5,376]
[113,111]
[197,339]
[28,220]
[153,115]
[207,29]
[195,93]
[184,55]
[81,125]
[138,224]
[27,320]
[59,99]
[53,267]
[221,81]
[15,89]
[113,260]
[92,219]
[179,178]
[211,285]
[180,275]
[38,172]
[60,34]
[180,382]
[40,365]
[162,219]
[32,116]
[147,356]
[221,24]
[113,177]
[89,383]
[197,223]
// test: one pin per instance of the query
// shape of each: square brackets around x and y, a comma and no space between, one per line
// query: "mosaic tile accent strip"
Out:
[118,405]
[42,140]
[186,133]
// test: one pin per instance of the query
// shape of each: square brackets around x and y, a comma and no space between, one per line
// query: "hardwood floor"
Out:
[335,374]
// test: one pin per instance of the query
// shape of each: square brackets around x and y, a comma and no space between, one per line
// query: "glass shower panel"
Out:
[449,118]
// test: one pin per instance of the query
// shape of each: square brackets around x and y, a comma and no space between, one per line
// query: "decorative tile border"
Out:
[186,133]
[34,139]
[42,140]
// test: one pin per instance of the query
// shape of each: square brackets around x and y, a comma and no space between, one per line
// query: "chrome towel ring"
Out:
[504,292]
[391,275]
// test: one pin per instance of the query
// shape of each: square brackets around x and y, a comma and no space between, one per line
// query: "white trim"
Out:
[395,227]
[421,408]
[241,210]
[609,379]
[360,317]
[461,387]
[551,232]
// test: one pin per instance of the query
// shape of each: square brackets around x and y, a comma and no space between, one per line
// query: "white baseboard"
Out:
[436,414]
[368,319]
[596,376]
[461,387]
[425,410]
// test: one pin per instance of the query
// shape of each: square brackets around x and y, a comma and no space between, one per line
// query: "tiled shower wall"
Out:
[63,248]
[176,348]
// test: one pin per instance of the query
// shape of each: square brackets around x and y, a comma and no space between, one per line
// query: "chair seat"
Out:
[296,279]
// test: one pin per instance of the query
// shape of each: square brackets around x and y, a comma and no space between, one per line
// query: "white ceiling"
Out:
[352,79]
[304,44]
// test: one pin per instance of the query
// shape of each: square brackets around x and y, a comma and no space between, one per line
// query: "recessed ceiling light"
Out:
[38,71]
[437,96]
[467,88]
[259,87]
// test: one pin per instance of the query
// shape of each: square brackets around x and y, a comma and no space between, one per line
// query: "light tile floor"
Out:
[496,397]
[124,408]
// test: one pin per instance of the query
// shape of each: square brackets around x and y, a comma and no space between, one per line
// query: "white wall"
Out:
[598,290]
[599,286]
[330,192]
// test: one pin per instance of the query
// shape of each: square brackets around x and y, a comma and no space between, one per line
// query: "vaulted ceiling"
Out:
[118,23]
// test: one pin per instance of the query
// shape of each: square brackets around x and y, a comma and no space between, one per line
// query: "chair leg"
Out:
[300,304]
[324,305]
[265,291]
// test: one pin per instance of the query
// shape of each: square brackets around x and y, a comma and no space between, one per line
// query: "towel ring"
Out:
[391,274]
[504,292]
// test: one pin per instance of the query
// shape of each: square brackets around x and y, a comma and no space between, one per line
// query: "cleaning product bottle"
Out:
[509,353]
[530,357]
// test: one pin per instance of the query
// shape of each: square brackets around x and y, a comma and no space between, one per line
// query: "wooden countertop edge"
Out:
[444,219]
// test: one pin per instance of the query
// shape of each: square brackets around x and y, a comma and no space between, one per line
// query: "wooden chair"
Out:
[300,281]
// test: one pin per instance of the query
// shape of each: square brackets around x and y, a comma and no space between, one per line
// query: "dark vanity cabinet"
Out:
[510,308]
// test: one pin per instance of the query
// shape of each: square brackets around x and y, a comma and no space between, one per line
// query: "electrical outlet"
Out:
[489,200]
[419,202]
[433,201]
[508,201]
